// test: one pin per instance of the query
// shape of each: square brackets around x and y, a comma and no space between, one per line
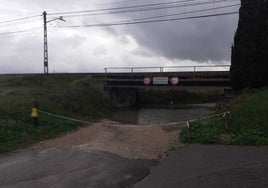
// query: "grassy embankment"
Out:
[249,123]
[65,95]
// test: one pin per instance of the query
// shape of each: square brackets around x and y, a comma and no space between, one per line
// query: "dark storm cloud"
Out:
[196,40]
[206,39]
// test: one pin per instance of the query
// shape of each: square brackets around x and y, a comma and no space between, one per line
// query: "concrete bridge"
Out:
[121,83]
[167,79]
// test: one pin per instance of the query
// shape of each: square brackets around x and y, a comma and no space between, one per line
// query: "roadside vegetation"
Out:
[248,125]
[70,96]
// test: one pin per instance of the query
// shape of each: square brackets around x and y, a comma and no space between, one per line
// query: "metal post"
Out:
[228,121]
[45,44]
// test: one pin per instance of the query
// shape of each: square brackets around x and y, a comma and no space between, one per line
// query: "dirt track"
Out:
[130,141]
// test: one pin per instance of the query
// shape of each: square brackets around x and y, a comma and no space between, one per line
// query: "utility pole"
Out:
[45,44]
[45,40]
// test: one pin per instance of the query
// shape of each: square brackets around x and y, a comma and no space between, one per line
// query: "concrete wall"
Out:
[121,97]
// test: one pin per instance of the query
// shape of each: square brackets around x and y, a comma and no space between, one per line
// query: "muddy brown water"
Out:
[157,116]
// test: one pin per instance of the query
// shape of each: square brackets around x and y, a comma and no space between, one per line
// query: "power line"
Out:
[127,9]
[183,13]
[19,34]
[118,8]
[149,21]
[96,12]
[20,31]
[97,4]
[19,19]
[123,1]
[133,21]
[137,21]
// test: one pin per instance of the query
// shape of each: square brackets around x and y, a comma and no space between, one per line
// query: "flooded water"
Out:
[156,116]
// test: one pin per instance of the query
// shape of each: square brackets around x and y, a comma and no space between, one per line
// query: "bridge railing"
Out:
[167,69]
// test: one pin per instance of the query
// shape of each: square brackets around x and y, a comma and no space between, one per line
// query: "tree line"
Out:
[249,59]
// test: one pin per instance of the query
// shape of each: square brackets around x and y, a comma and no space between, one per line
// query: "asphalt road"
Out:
[70,169]
[200,166]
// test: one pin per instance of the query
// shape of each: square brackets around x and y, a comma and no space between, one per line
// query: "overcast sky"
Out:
[198,41]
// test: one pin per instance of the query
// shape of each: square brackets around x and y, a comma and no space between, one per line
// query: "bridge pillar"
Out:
[121,97]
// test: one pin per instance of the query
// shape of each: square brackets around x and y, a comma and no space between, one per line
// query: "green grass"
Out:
[71,96]
[249,123]
[15,134]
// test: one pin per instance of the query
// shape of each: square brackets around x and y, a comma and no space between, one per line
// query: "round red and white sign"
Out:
[174,80]
[147,81]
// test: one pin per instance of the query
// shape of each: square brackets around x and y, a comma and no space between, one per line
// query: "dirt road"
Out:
[100,155]
[130,141]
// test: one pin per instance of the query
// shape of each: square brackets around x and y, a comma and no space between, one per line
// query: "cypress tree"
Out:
[249,60]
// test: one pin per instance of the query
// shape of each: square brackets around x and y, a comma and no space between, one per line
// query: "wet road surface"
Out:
[193,166]
[70,168]
[201,166]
